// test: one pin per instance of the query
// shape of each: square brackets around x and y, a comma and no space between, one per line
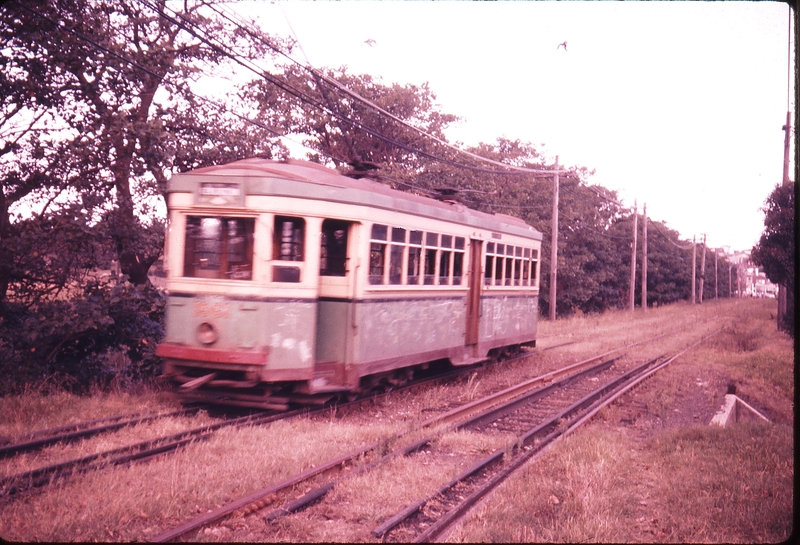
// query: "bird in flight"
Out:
[562,44]
[370,42]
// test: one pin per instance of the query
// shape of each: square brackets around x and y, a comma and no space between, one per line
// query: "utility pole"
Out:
[730,280]
[781,295]
[632,291]
[703,269]
[554,246]
[781,288]
[644,257]
[694,264]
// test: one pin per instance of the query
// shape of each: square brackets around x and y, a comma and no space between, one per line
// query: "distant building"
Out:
[752,281]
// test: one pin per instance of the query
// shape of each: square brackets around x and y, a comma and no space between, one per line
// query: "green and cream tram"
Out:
[288,280]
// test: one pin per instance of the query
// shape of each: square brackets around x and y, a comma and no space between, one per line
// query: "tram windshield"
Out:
[219,247]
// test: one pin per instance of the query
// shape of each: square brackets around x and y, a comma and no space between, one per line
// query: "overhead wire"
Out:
[377,108]
[188,26]
[311,101]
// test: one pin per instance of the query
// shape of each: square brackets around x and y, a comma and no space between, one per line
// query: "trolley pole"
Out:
[632,291]
[644,257]
[554,247]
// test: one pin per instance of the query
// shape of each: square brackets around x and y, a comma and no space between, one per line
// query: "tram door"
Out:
[336,293]
[474,292]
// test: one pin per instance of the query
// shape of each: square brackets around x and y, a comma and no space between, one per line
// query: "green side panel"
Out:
[503,317]
[287,328]
[334,326]
[388,329]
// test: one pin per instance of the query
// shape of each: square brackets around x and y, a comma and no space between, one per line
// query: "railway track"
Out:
[320,480]
[15,484]
[12,446]
[145,450]
[530,402]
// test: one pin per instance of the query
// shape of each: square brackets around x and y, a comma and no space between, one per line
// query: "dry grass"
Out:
[645,470]
[652,470]
[136,503]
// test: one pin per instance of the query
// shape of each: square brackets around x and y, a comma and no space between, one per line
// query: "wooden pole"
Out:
[730,280]
[644,257]
[716,275]
[632,291]
[554,247]
[694,265]
[703,269]
[781,295]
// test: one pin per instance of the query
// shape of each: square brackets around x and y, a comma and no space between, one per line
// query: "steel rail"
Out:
[460,414]
[316,493]
[146,449]
[591,404]
[494,414]
[73,432]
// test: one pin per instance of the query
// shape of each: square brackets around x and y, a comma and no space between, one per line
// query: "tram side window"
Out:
[489,269]
[431,249]
[377,253]
[509,265]
[219,248]
[333,253]
[288,244]
[396,255]
[414,257]
[458,261]
[444,260]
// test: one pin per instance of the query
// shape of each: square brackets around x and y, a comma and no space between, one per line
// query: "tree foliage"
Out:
[775,251]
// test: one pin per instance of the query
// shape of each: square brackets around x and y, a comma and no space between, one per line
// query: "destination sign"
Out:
[212,189]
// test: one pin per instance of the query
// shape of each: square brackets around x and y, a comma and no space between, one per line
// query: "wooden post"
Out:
[554,247]
[730,280]
[781,295]
[632,291]
[644,257]
[703,269]
[694,265]
[716,275]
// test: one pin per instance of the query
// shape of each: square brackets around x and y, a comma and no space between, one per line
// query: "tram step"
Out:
[466,360]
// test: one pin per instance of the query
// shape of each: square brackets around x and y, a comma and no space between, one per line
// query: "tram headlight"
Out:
[206,333]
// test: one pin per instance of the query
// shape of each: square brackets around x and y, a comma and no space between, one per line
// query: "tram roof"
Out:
[314,181]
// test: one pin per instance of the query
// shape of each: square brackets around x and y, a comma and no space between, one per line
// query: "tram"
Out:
[288,282]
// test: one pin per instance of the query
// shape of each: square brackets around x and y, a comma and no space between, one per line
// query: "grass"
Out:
[647,469]
[663,475]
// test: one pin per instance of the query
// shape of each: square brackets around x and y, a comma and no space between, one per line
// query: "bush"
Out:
[105,336]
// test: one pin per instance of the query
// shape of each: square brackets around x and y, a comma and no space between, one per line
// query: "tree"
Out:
[343,129]
[110,78]
[775,251]
[96,111]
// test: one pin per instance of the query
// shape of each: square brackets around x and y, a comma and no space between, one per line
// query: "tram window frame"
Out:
[288,246]
[333,258]
[414,263]
[400,256]
[396,255]
[221,245]
[510,265]
[431,259]
[459,249]
[377,253]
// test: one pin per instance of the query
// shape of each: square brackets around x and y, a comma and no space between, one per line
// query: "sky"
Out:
[676,105]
